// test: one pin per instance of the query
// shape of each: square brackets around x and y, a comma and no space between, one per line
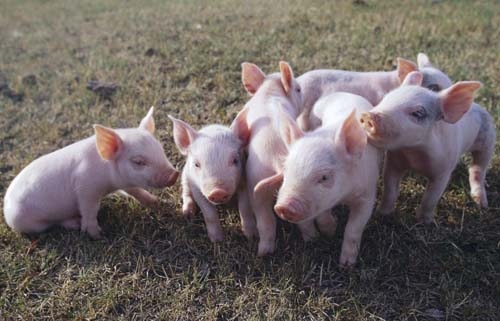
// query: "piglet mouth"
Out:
[372,124]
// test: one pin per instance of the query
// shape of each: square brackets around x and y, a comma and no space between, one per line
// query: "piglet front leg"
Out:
[189,207]
[248,224]
[392,179]
[359,214]
[435,188]
[88,211]
[144,197]
[210,215]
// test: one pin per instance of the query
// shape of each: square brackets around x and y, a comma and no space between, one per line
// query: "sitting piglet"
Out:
[65,187]
[427,132]
[213,172]
[330,166]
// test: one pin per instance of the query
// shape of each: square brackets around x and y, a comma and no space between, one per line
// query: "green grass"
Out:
[153,264]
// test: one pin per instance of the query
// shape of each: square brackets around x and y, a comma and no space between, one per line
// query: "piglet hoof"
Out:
[216,236]
[189,209]
[425,218]
[347,261]
[250,232]
[265,248]
[480,200]
[95,233]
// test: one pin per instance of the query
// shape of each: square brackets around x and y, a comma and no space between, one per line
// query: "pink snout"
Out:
[291,210]
[370,122]
[168,178]
[219,196]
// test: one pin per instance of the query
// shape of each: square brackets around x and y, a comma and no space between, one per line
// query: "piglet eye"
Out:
[323,179]
[197,164]
[298,89]
[235,161]
[419,114]
[433,87]
[138,161]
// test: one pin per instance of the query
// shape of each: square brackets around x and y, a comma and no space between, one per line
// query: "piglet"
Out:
[428,132]
[65,187]
[214,171]
[330,166]
[272,95]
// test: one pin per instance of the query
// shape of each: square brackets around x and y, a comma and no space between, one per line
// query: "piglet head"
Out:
[317,171]
[406,116]
[282,84]
[215,157]
[433,78]
[138,157]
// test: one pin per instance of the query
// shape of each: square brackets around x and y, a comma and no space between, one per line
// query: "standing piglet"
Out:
[65,187]
[330,166]
[370,85]
[271,95]
[214,171]
[428,132]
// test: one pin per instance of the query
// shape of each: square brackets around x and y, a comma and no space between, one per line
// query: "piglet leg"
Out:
[248,224]
[210,215]
[392,179]
[359,215]
[435,188]
[143,196]
[88,211]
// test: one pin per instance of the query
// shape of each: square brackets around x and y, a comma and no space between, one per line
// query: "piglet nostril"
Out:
[173,178]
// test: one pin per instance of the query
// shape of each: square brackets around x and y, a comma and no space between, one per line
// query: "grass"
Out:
[184,58]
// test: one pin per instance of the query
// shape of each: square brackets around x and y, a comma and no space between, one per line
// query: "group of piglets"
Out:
[298,148]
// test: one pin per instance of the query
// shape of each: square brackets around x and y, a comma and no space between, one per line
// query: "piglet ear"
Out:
[269,185]
[108,142]
[404,68]
[184,135]
[289,130]
[286,76]
[240,126]
[423,61]
[414,78]
[352,136]
[148,123]
[457,99]
[252,77]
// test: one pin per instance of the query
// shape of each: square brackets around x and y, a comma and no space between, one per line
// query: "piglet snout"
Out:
[219,196]
[291,210]
[369,122]
[167,178]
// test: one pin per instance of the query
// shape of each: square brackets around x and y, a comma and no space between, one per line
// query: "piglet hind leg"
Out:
[359,215]
[477,176]
[433,192]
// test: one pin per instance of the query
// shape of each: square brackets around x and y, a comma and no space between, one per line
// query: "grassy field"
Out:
[184,58]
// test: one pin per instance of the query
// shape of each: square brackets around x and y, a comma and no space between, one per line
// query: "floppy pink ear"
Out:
[404,68]
[252,77]
[457,100]
[289,130]
[148,123]
[108,142]
[414,78]
[352,136]
[269,185]
[240,126]
[184,135]
[286,76]
[423,61]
